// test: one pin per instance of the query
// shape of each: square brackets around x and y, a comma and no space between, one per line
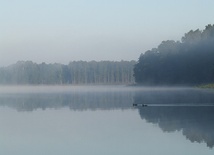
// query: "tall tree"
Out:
[188,62]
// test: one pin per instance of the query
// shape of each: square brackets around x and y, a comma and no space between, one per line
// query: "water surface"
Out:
[94,120]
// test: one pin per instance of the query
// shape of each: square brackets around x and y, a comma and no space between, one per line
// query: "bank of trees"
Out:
[190,61]
[76,72]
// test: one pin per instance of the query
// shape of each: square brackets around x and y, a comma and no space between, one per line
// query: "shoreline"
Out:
[206,86]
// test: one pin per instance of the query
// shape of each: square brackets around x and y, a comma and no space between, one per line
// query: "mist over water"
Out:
[81,119]
[104,97]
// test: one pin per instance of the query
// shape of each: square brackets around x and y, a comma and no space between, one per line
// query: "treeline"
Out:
[77,72]
[190,61]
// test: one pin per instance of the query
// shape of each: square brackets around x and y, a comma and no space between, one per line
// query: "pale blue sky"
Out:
[67,30]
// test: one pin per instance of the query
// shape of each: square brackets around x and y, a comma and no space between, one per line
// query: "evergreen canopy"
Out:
[190,61]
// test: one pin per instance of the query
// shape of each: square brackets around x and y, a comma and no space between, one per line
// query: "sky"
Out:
[60,31]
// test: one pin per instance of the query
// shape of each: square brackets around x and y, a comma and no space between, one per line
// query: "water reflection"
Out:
[174,96]
[195,122]
[75,101]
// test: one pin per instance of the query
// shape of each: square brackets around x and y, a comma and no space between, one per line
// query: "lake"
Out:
[101,120]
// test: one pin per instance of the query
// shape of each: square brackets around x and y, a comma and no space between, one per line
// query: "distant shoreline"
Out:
[206,86]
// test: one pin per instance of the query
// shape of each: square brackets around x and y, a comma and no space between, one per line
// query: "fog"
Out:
[52,31]
[189,62]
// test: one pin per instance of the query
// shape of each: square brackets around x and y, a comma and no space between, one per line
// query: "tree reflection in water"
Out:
[195,122]
[184,111]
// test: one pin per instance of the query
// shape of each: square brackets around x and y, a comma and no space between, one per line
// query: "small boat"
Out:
[139,105]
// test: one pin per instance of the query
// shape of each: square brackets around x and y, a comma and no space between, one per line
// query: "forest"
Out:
[186,62]
[76,72]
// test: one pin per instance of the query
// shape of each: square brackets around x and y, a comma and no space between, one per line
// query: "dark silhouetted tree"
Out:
[188,62]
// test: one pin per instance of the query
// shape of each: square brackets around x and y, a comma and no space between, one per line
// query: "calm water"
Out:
[102,121]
